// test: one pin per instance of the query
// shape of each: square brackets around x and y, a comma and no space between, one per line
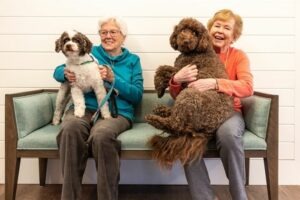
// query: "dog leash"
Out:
[103,101]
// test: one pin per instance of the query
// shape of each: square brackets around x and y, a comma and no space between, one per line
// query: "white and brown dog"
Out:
[76,47]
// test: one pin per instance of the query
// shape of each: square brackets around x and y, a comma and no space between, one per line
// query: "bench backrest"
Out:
[40,106]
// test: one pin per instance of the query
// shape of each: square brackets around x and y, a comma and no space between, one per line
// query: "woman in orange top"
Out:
[225,28]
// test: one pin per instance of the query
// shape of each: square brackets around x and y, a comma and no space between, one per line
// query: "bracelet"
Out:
[217,85]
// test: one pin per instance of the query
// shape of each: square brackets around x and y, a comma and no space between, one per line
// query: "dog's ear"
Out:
[87,44]
[59,42]
[58,45]
[173,38]
[204,41]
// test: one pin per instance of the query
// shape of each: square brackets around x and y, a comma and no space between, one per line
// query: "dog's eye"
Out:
[75,40]
[188,31]
[184,31]
[66,40]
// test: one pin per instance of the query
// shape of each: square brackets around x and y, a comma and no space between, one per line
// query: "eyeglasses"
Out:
[112,33]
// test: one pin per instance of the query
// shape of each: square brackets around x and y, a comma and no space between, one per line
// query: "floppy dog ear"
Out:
[204,42]
[58,45]
[173,38]
[87,44]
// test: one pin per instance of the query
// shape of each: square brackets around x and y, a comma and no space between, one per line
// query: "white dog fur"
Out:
[76,47]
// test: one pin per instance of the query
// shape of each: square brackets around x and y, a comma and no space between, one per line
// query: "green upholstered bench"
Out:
[29,133]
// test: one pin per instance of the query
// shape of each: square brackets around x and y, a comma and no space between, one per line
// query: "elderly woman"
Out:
[224,28]
[78,137]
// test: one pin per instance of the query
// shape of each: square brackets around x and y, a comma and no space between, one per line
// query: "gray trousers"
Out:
[76,139]
[230,145]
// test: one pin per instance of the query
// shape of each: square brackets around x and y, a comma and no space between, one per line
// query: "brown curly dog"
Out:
[195,115]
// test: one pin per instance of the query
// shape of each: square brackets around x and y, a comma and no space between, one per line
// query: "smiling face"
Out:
[222,34]
[112,38]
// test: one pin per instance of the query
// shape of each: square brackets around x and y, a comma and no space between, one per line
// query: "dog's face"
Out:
[73,43]
[190,36]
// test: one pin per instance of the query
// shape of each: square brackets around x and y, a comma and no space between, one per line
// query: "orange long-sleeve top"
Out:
[240,82]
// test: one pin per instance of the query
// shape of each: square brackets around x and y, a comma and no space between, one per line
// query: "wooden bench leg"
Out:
[271,169]
[12,166]
[247,166]
[43,170]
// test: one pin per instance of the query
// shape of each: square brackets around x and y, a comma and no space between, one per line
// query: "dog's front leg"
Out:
[162,77]
[61,102]
[78,100]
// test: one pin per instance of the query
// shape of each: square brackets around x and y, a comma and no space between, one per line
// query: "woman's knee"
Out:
[101,135]
[230,135]
[74,128]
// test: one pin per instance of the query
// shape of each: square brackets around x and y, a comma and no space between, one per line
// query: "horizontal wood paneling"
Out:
[286,150]
[150,61]
[144,43]
[2,131]
[266,8]
[2,149]
[2,114]
[286,96]
[274,79]
[2,171]
[287,115]
[151,25]
[286,133]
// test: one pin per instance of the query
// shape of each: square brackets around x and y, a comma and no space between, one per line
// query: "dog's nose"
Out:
[186,41]
[69,47]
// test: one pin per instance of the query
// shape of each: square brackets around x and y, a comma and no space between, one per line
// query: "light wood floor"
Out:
[148,192]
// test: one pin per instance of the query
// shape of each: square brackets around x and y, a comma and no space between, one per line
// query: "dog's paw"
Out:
[55,121]
[106,115]
[162,111]
[79,113]
[151,118]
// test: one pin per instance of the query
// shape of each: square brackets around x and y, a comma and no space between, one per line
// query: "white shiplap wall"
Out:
[29,29]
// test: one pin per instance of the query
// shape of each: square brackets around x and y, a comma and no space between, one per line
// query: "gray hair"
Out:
[117,20]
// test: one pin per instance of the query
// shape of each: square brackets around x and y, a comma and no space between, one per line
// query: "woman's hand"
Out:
[106,74]
[70,76]
[204,84]
[186,74]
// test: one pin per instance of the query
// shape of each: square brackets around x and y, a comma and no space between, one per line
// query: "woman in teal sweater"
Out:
[78,137]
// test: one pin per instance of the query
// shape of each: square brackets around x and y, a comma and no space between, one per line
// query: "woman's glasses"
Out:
[112,33]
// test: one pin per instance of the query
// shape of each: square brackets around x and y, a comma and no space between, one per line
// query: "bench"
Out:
[29,134]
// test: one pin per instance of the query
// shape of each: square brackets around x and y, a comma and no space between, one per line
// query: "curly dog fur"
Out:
[195,115]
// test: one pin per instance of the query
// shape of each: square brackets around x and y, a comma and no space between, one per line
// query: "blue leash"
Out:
[105,99]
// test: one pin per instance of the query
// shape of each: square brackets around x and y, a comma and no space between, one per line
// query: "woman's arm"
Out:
[59,73]
[240,82]
[132,91]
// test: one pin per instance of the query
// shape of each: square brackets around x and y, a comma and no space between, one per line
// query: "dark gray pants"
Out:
[229,142]
[76,139]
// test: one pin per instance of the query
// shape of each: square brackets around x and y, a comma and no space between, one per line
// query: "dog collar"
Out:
[87,62]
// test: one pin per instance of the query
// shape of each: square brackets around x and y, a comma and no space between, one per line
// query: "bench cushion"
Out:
[137,137]
[45,138]
[133,139]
